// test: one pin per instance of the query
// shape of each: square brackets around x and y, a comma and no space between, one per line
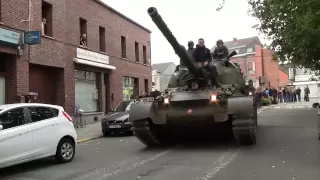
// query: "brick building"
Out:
[113,63]
[256,62]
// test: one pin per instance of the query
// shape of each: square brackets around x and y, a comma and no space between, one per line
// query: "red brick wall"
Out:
[283,78]
[271,69]
[263,64]
[60,50]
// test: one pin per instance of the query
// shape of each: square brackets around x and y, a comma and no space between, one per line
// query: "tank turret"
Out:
[179,49]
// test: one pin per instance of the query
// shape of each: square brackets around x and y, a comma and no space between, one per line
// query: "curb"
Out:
[264,109]
[88,139]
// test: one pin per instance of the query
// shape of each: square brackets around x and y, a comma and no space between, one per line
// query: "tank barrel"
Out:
[179,49]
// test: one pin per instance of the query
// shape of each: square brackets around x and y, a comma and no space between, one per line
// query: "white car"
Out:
[30,131]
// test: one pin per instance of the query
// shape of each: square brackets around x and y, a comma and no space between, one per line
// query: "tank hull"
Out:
[236,115]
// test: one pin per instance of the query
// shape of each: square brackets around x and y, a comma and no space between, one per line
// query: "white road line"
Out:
[135,165]
[219,164]
[104,170]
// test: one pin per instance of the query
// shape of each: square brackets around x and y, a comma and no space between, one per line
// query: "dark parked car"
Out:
[117,120]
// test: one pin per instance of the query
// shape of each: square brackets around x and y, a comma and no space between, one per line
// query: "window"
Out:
[136,46]
[86,93]
[12,118]
[40,113]
[249,50]
[144,55]
[130,87]
[237,50]
[251,67]
[102,39]
[83,33]
[123,47]
[46,21]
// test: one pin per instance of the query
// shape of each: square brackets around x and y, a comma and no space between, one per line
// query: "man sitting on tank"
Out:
[221,51]
[202,56]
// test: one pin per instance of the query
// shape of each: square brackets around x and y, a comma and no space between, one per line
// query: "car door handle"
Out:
[23,132]
[54,124]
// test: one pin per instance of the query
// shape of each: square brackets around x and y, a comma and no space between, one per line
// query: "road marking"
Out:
[135,165]
[219,164]
[124,166]
[104,170]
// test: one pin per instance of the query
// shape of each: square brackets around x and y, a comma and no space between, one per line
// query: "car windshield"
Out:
[123,106]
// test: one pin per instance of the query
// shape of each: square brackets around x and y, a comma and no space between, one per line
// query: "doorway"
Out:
[107,92]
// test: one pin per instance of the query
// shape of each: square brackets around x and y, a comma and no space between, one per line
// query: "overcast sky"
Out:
[189,20]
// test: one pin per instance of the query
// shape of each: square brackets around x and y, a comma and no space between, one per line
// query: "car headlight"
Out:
[250,93]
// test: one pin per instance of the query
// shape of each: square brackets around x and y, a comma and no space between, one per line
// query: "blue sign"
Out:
[10,37]
[31,37]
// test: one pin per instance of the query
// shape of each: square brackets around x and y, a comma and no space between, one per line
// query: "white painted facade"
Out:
[303,78]
[160,80]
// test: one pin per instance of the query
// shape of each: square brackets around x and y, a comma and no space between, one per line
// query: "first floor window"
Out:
[86,92]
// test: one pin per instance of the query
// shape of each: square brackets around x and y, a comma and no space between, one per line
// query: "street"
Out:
[287,149]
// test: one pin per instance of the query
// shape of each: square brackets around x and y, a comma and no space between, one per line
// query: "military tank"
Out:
[192,105]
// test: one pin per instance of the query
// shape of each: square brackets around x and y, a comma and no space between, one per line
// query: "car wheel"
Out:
[65,151]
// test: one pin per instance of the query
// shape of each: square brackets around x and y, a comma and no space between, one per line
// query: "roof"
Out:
[122,15]
[6,106]
[161,67]
[241,42]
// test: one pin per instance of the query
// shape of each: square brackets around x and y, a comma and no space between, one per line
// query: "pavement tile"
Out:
[89,132]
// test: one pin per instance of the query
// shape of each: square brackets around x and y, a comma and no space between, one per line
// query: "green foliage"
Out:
[293,27]
[265,102]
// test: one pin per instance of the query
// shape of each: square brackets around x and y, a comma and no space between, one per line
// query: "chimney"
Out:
[235,40]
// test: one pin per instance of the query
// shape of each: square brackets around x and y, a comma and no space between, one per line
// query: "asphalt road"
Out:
[287,149]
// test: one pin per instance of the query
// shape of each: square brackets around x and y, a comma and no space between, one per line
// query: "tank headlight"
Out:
[166,100]
[250,93]
[213,98]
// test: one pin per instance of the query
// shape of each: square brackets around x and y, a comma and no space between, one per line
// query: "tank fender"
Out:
[144,110]
[241,105]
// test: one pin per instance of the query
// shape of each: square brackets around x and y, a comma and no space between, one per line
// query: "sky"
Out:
[189,20]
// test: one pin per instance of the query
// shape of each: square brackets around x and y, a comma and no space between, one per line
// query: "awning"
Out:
[91,63]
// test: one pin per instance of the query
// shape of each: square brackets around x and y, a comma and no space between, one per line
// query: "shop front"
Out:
[9,43]
[91,69]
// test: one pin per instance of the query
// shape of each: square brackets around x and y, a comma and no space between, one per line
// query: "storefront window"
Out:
[129,87]
[86,92]
[2,90]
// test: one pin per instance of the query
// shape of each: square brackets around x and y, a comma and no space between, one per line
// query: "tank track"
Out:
[145,132]
[244,128]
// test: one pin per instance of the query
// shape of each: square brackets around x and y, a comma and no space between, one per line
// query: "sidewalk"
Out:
[91,131]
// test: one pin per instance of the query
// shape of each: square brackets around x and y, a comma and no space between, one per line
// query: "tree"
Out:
[292,26]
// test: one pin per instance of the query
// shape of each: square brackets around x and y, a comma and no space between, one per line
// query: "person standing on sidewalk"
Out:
[306,93]
[298,92]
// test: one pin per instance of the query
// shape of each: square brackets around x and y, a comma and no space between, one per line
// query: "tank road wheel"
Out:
[244,130]
[147,132]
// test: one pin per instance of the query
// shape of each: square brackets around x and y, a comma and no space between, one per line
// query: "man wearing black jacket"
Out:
[202,56]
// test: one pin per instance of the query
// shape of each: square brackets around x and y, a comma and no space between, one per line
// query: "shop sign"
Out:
[32,37]
[10,37]
[92,56]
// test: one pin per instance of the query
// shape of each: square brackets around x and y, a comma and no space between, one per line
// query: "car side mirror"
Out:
[1,127]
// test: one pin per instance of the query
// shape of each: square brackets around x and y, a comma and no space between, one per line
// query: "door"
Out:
[15,138]
[45,130]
